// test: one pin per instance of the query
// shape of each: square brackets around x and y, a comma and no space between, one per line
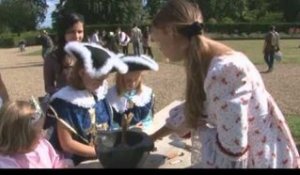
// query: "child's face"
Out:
[132,80]
[75,33]
[91,84]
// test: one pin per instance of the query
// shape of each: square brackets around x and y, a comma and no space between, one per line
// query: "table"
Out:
[168,146]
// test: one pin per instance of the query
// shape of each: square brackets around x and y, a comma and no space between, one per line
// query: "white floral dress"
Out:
[245,129]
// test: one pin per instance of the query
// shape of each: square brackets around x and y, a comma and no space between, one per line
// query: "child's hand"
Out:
[139,125]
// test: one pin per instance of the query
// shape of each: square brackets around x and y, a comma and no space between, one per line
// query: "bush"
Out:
[212,21]
[247,27]
[227,20]
[7,41]
[30,38]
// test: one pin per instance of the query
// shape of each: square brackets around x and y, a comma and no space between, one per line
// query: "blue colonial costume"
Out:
[139,104]
[81,111]
[73,107]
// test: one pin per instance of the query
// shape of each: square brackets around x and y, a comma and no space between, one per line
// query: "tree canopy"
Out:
[21,15]
[225,11]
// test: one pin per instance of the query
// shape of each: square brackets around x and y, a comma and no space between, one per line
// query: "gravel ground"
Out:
[23,77]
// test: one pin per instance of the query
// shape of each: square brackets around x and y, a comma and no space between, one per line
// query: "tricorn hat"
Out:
[139,63]
[97,60]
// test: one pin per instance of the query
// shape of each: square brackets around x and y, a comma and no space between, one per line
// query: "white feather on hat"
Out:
[97,60]
[142,62]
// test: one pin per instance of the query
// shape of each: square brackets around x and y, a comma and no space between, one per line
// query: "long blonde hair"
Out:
[16,131]
[182,14]
[121,84]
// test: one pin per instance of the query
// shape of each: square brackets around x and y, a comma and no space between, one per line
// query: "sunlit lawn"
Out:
[253,49]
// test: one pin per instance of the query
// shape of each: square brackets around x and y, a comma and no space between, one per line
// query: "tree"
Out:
[22,15]
[152,6]
[225,9]
[291,10]
[105,11]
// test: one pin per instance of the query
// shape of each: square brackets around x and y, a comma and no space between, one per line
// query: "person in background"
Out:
[146,42]
[22,144]
[234,122]
[47,43]
[58,64]
[136,38]
[22,45]
[81,105]
[124,40]
[112,42]
[131,95]
[271,45]
[95,37]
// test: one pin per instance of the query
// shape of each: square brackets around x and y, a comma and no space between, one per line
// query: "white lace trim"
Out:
[120,103]
[113,61]
[141,60]
[81,98]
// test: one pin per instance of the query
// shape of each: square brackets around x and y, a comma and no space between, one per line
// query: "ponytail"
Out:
[196,70]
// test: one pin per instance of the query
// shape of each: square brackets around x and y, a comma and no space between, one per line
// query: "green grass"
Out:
[253,49]
[294,124]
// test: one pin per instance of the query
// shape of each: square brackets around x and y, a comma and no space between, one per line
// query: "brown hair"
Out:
[16,131]
[121,87]
[182,14]
[75,79]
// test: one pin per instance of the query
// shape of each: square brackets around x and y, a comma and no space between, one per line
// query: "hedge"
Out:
[8,40]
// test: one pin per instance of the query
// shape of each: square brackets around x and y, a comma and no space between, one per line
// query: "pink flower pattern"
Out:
[249,128]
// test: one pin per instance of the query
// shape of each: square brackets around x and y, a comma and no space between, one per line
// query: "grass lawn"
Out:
[294,124]
[253,49]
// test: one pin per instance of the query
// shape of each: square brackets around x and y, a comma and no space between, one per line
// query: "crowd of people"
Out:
[232,119]
[119,40]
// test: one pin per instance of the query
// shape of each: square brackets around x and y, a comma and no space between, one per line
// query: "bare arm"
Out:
[162,132]
[72,146]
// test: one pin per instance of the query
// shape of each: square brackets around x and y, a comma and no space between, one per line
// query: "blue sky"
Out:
[51,8]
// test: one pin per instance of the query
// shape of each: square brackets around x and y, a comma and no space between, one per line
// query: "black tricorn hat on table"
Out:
[140,63]
[97,60]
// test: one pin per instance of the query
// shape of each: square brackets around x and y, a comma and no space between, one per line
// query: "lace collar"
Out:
[120,103]
[81,98]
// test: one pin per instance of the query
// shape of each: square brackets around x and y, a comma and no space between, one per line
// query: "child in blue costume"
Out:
[82,105]
[130,95]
